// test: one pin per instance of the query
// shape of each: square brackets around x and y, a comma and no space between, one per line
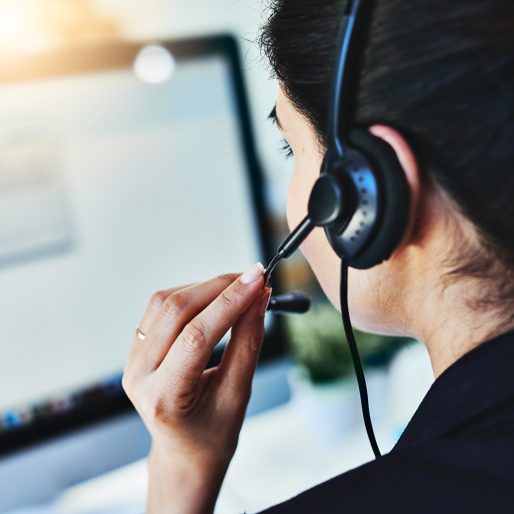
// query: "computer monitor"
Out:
[124,169]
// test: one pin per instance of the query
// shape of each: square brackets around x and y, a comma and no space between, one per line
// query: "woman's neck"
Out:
[449,325]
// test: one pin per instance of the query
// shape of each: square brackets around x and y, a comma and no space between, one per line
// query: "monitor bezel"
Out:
[114,55]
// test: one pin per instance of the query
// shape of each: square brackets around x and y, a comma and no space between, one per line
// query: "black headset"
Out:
[361,198]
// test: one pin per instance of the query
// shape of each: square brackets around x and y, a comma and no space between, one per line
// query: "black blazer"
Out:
[455,456]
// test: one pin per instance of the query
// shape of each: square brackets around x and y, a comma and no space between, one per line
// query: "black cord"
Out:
[361,379]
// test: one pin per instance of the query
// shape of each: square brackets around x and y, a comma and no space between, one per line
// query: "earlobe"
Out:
[409,165]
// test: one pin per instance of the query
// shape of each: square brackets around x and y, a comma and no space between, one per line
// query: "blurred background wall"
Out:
[33,25]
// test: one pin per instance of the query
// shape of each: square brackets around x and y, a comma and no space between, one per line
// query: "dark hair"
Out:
[440,72]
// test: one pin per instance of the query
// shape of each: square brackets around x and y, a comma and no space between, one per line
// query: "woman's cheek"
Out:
[322,259]
[297,200]
[365,287]
[316,248]
[324,263]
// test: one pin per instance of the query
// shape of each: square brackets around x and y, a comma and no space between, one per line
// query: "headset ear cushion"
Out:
[394,198]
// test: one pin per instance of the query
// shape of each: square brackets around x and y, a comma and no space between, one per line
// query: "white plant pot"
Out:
[327,411]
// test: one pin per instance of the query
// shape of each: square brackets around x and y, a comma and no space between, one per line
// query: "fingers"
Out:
[166,317]
[155,304]
[190,353]
[242,353]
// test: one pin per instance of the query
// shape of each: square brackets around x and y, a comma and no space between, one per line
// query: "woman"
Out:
[437,84]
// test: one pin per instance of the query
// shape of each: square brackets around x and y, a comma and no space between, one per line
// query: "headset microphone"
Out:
[291,303]
[361,198]
[328,207]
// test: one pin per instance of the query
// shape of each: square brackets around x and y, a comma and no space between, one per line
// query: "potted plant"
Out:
[322,382]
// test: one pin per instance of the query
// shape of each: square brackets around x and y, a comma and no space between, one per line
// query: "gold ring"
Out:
[140,335]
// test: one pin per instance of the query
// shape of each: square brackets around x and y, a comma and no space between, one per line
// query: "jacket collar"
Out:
[478,381]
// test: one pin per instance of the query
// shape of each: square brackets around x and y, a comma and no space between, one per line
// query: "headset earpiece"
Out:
[381,198]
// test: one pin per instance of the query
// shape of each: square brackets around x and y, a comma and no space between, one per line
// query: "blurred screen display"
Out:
[113,185]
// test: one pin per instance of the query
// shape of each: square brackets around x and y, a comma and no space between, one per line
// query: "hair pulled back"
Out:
[440,72]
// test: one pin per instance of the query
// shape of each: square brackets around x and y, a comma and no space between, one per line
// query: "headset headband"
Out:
[340,96]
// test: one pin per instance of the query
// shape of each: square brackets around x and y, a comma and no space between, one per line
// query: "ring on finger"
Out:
[140,334]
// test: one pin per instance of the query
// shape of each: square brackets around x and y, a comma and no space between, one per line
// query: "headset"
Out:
[361,198]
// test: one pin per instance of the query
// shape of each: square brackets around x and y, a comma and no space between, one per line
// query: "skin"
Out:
[195,416]
[404,295]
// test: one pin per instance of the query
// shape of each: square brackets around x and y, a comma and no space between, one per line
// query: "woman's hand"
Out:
[195,415]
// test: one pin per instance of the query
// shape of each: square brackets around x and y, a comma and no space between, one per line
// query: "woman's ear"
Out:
[410,167]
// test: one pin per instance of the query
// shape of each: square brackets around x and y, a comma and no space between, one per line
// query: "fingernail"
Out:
[253,274]
[265,302]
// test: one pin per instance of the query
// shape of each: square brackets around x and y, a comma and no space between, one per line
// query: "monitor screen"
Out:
[114,183]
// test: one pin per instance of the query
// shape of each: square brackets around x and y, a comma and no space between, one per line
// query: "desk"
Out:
[276,459]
